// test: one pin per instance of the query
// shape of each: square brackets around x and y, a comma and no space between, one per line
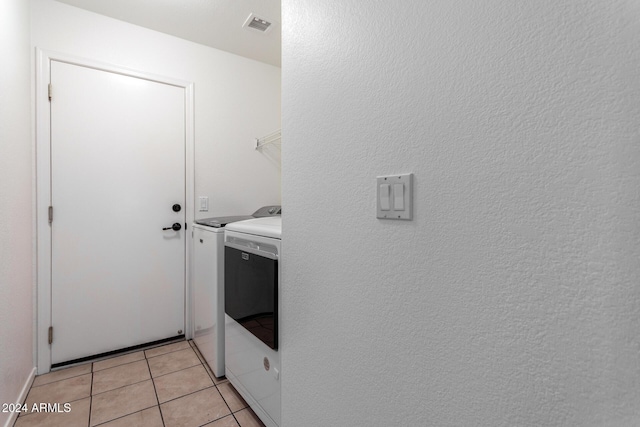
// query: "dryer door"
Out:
[251,290]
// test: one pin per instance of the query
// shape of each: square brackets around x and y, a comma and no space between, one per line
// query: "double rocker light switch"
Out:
[394,196]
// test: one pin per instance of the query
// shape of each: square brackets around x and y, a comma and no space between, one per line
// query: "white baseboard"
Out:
[21,397]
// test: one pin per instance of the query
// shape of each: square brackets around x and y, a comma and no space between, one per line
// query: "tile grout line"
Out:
[122,386]
[208,369]
[189,394]
[168,352]
[26,414]
[56,381]
[225,402]
[122,364]
[202,362]
[213,385]
[123,416]
[90,397]
[173,372]
[151,377]
[216,385]
[155,390]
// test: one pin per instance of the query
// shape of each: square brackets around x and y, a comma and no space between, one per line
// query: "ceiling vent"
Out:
[257,23]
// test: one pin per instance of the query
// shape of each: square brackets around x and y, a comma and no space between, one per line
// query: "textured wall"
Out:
[513,296]
[16,306]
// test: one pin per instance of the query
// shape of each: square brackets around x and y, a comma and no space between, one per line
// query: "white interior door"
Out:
[117,169]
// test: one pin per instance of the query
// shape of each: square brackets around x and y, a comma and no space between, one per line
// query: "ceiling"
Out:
[215,23]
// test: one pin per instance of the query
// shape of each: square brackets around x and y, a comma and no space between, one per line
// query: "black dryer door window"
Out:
[251,293]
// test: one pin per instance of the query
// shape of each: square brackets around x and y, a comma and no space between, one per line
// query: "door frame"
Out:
[43,186]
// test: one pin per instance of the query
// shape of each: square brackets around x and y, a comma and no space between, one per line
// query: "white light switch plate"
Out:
[401,189]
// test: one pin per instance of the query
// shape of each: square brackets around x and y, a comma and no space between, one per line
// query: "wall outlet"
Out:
[204,203]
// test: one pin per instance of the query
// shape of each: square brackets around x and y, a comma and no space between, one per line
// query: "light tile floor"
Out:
[166,386]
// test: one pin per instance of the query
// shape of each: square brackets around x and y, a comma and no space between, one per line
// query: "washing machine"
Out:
[207,300]
[251,288]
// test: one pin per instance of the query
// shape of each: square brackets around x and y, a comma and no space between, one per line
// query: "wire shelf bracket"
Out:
[269,139]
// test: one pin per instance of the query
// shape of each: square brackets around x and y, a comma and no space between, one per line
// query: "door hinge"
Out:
[49,91]
[50,214]
[50,334]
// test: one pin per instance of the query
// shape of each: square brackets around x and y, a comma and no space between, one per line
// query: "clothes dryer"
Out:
[252,342]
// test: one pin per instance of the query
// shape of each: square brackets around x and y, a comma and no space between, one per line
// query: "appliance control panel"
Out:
[268,211]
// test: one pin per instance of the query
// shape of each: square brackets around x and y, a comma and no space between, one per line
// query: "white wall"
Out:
[236,99]
[16,281]
[512,297]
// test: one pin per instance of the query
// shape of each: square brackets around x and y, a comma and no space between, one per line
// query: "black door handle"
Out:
[175,227]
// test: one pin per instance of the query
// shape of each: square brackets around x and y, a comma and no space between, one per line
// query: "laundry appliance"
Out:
[207,299]
[252,342]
